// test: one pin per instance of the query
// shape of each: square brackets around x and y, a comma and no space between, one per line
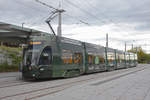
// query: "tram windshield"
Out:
[45,57]
[31,55]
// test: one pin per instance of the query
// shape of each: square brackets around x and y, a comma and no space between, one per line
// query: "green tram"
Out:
[49,56]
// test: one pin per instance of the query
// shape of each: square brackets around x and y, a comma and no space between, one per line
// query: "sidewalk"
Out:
[10,74]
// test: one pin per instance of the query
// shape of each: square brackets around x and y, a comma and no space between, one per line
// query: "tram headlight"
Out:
[41,69]
[30,68]
[33,75]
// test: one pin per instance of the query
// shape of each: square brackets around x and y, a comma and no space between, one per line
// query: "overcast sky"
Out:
[124,20]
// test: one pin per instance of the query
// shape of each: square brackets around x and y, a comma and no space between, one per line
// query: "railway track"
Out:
[33,94]
[63,86]
[9,82]
[16,84]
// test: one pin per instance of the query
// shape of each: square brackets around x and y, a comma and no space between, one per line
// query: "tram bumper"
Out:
[32,74]
[40,72]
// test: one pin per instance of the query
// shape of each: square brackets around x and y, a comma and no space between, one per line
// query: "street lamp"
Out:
[22,25]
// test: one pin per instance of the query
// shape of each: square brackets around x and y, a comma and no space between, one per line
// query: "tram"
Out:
[50,56]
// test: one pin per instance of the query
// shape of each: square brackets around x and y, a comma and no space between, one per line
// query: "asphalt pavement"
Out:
[132,86]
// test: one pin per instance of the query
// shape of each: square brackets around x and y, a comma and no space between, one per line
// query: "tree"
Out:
[142,56]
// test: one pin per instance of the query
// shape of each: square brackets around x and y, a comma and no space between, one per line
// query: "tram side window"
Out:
[28,57]
[45,58]
[118,59]
[127,58]
[96,60]
[122,58]
[101,60]
[90,59]
[77,58]
[67,56]
[111,59]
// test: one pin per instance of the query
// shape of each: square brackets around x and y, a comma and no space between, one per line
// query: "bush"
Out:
[15,55]
[8,68]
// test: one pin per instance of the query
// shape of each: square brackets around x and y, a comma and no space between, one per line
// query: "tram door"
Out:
[45,61]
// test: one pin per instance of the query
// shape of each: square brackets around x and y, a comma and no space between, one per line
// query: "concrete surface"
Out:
[134,86]
[10,74]
[125,84]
